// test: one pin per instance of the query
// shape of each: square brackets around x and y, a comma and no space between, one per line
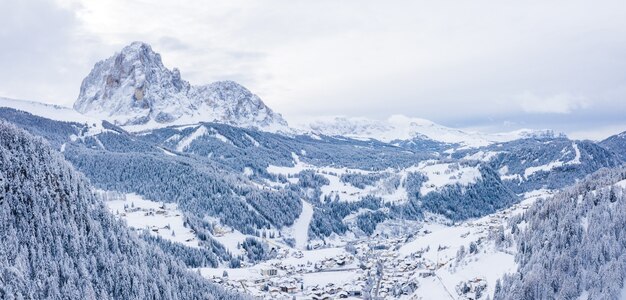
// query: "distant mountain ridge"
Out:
[398,130]
[402,128]
[134,88]
[616,144]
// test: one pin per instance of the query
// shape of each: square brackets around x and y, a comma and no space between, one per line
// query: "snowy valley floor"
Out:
[405,260]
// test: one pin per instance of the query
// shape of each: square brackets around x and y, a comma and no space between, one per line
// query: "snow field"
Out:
[164,220]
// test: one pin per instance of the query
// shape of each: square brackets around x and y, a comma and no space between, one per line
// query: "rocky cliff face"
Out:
[133,87]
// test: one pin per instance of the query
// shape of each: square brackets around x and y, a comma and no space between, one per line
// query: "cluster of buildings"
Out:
[375,268]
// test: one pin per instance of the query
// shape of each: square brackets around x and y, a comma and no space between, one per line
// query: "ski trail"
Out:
[300,228]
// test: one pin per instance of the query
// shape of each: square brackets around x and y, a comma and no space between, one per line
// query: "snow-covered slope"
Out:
[49,111]
[399,127]
[57,113]
[134,89]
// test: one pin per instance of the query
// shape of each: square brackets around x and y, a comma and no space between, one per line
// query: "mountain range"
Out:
[134,90]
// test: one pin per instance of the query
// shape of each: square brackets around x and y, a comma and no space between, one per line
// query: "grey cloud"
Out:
[36,55]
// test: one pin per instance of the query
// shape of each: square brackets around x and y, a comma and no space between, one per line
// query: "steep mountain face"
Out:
[59,242]
[134,88]
[230,103]
[400,129]
[616,144]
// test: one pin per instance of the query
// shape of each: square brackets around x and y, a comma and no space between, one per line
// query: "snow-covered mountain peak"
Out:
[234,104]
[350,127]
[403,120]
[134,89]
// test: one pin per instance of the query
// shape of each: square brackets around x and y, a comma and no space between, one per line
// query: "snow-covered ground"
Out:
[439,175]
[161,219]
[422,262]
[440,244]
[621,184]
[185,142]
[300,228]
[402,259]
[49,111]
[231,239]
[308,269]
[482,155]
[55,112]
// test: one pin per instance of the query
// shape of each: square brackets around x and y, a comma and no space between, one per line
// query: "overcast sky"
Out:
[485,65]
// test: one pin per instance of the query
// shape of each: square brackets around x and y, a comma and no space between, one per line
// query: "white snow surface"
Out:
[482,156]
[154,217]
[439,175]
[488,264]
[621,184]
[185,142]
[346,191]
[300,228]
[57,113]
[231,240]
[200,132]
[49,111]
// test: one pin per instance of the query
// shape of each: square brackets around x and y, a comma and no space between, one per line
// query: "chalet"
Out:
[274,292]
[340,262]
[322,296]
[258,280]
[217,279]
[331,289]
[289,288]
[353,290]
[269,272]
[426,274]
[132,209]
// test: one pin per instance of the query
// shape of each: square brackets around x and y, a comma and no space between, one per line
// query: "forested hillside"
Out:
[59,242]
[573,245]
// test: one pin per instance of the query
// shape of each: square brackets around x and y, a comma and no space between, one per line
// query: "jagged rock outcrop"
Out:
[133,87]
